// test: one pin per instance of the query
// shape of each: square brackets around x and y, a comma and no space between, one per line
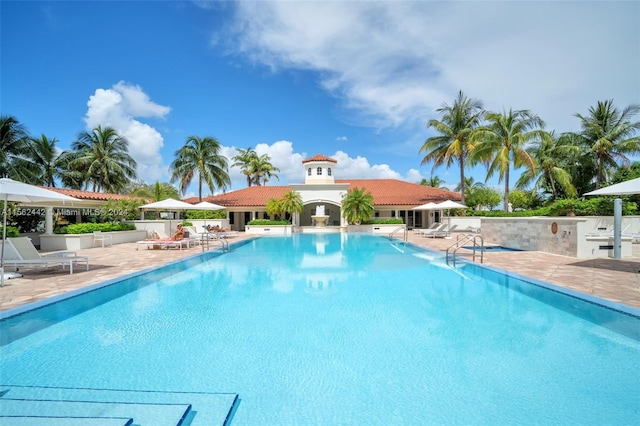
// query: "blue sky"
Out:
[356,81]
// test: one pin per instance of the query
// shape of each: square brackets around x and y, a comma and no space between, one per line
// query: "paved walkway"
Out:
[616,280]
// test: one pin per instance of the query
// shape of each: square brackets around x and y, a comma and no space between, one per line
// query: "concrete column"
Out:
[48,221]
[617,228]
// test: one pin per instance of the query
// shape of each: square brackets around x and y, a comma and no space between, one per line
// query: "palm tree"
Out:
[245,159]
[503,141]
[552,157]
[103,156]
[14,148]
[454,142]
[433,181]
[157,191]
[44,154]
[609,134]
[291,202]
[201,156]
[263,170]
[357,205]
[469,186]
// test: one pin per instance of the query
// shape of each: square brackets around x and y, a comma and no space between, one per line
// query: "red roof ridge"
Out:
[319,157]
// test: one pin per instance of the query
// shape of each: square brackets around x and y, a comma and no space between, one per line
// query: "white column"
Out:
[48,221]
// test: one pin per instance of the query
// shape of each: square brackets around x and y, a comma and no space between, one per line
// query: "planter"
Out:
[74,242]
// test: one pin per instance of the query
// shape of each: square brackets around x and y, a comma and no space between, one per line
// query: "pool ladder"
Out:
[464,239]
[224,244]
[400,228]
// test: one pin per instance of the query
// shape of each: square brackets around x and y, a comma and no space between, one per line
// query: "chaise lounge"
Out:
[23,252]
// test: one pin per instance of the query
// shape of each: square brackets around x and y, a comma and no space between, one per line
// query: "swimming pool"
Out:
[342,329]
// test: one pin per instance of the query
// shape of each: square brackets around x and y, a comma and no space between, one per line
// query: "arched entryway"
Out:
[330,209]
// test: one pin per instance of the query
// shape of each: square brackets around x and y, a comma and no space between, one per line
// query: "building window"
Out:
[309,171]
[329,171]
[319,171]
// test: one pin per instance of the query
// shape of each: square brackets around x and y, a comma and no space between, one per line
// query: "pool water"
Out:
[347,329]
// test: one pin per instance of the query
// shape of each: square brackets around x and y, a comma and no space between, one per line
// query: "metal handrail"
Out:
[466,238]
[205,239]
[400,228]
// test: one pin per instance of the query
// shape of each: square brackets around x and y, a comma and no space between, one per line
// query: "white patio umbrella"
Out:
[448,205]
[205,205]
[629,187]
[170,205]
[12,190]
[428,206]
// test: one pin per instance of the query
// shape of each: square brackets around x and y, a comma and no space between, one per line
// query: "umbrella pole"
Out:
[4,237]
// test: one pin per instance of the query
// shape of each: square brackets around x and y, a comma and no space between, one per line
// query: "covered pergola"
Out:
[629,187]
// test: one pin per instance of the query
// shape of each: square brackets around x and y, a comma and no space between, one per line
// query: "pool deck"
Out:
[615,280]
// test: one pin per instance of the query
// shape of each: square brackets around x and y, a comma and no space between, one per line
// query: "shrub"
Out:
[88,228]
[187,223]
[385,221]
[12,232]
[206,214]
[268,222]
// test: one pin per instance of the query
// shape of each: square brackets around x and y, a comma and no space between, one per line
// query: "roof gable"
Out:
[386,192]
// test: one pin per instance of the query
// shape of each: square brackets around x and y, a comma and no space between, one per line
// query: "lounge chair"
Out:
[26,254]
[420,231]
[444,232]
[432,231]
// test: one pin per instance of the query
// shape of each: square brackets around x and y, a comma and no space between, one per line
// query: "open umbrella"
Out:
[170,205]
[428,206]
[450,205]
[205,205]
[629,187]
[12,190]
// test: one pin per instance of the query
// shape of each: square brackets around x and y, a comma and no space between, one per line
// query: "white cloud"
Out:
[284,157]
[342,139]
[119,107]
[394,63]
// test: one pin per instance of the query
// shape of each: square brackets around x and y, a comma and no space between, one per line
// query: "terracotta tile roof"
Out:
[254,196]
[386,192]
[319,157]
[88,195]
[391,192]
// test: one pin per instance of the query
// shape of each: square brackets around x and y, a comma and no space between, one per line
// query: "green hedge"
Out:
[385,221]
[12,232]
[88,228]
[590,207]
[268,222]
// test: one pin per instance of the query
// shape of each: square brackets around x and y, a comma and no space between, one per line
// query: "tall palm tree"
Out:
[291,202]
[200,156]
[357,205]
[469,185]
[262,170]
[14,149]
[503,141]
[103,156]
[609,134]
[157,191]
[433,181]
[44,154]
[454,142]
[553,157]
[245,159]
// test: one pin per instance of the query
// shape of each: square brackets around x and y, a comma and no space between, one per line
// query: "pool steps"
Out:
[63,421]
[56,405]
